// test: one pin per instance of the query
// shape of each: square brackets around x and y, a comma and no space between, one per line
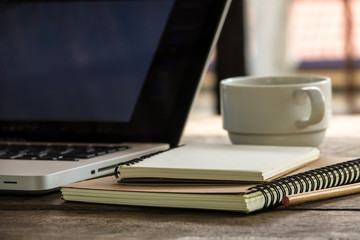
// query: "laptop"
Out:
[86,85]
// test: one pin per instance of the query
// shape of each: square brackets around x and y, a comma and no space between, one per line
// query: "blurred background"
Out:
[288,36]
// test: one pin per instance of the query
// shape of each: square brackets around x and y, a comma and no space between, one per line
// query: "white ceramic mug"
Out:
[291,110]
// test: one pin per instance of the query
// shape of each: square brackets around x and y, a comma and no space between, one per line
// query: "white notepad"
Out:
[218,162]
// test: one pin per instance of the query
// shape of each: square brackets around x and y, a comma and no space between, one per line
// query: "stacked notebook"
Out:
[219,177]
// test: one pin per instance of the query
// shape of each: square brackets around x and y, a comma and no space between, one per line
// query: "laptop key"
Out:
[49,157]
[80,155]
[30,157]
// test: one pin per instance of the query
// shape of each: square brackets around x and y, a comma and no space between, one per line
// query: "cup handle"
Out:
[317,101]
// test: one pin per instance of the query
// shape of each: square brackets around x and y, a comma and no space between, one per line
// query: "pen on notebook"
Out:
[321,194]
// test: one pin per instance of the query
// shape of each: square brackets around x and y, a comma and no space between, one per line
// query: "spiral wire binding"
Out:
[136,160]
[316,179]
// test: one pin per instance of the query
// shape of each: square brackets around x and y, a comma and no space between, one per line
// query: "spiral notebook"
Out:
[322,174]
[216,162]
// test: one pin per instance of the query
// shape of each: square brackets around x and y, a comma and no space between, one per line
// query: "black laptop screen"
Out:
[70,61]
[102,70]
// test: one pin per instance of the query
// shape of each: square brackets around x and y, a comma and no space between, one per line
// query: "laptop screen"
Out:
[102,70]
[70,61]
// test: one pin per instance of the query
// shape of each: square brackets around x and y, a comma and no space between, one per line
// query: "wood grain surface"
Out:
[49,217]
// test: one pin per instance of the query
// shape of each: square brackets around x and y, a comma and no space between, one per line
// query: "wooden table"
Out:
[49,217]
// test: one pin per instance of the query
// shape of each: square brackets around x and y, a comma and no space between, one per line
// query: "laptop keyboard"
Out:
[55,152]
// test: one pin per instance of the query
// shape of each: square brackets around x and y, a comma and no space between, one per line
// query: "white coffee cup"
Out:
[291,110]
